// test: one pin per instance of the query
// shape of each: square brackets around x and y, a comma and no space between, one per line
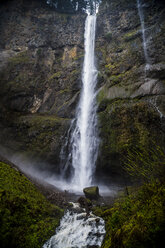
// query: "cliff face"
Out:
[41,58]
[131,101]
[41,55]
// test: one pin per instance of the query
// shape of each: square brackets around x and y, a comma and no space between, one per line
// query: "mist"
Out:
[38,171]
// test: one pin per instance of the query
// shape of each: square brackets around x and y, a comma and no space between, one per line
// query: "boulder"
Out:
[92,193]
[84,202]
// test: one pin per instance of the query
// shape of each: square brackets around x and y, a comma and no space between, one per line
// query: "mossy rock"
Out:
[132,35]
[92,193]
[124,124]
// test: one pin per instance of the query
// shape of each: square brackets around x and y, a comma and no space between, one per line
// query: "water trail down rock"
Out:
[141,16]
[77,231]
[148,65]
[155,104]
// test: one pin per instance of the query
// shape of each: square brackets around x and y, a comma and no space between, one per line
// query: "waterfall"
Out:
[77,231]
[141,16]
[84,137]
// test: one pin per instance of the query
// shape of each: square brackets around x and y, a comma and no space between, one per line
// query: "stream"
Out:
[77,230]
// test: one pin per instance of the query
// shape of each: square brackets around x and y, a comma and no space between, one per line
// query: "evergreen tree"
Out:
[72,6]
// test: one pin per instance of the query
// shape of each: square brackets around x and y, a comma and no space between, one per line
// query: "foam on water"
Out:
[78,231]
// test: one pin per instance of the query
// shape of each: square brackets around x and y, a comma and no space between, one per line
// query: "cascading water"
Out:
[78,231]
[141,16]
[83,134]
[84,137]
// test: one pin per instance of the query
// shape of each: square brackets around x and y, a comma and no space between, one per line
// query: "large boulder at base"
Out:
[92,193]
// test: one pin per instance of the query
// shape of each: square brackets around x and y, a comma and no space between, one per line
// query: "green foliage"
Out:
[137,220]
[55,75]
[146,163]
[27,218]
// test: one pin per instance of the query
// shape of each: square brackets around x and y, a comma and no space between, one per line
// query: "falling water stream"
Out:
[141,16]
[148,65]
[83,134]
[84,138]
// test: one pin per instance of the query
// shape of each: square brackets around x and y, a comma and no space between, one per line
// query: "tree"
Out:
[73,6]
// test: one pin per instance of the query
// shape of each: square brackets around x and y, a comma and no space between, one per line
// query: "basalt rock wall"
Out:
[131,99]
[41,53]
[41,57]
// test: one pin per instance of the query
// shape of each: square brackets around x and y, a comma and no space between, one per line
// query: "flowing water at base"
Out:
[76,230]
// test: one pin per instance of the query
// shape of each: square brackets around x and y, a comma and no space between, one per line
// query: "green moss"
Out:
[27,218]
[115,79]
[79,57]
[75,72]
[101,95]
[131,35]
[41,120]
[55,75]
[60,92]
[124,124]
[137,220]
[38,132]
[110,67]
[21,58]
[91,193]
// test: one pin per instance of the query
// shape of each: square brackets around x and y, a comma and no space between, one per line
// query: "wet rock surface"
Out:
[131,94]
[40,71]
[40,77]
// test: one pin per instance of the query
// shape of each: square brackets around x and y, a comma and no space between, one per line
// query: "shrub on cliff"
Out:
[146,164]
